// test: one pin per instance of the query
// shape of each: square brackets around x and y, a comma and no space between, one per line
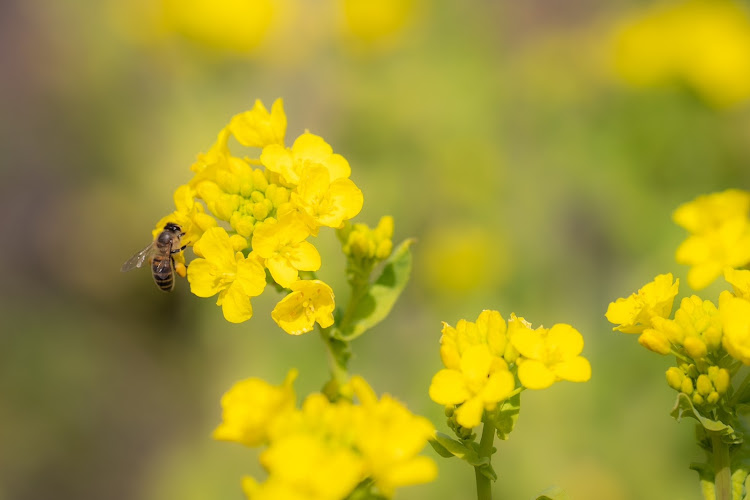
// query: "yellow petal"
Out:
[469,414]
[203,278]
[448,388]
[235,304]
[499,386]
[565,341]
[535,374]
[282,271]
[577,369]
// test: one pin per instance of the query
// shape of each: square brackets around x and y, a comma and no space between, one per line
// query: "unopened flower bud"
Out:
[698,399]
[687,386]
[655,341]
[713,398]
[674,378]
[703,385]
[695,347]
[721,381]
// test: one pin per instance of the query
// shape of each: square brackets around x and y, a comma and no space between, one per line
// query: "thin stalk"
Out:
[336,363]
[484,484]
[722,468]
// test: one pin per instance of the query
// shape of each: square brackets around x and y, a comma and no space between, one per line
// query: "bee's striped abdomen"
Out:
[164,279]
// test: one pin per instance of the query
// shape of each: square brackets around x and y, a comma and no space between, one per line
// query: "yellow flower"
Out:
[479,382]
[704,44]
[308,150]
[362,243]
[327,202]
[223,269]
[284,247]
[310,301]
[375,21]
[489,329]
[719,226]
[190,216]
[740,281]
[390,437]
[258,128]
[550,355]
[249,408]
[735,320]
[635,313]
[229,25]
[696,326]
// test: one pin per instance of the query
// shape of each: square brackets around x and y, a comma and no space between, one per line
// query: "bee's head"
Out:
[175,228]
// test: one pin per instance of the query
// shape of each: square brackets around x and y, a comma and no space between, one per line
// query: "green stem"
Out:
[722,468]
[337,354]
[484,484]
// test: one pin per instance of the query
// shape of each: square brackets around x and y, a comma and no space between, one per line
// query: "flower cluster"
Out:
[679,41]
[245,216]
[719,227]
[326,450]
[707,340]
[482,360]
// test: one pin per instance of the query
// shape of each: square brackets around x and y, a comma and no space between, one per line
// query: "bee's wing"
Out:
[138,259]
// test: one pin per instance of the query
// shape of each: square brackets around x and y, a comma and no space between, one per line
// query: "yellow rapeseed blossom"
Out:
[284,246]
[249,407]
[390,438]
[636,313]
[222,268]
[489,329]
[735,320]
[696,327]
[309,302]
[363,244]
[307,150]
[229,25]
[480,381]
[740,281]
[258,128]
[719,227]
[325,201]
[550,355]
[702,43]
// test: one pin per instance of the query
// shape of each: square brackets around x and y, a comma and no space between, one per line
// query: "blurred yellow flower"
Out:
[229,25]
[703,43]
[284,246]
[696,327]
[307,150]
[374,21]
[550,355]
[479,382]
[390,438]
[310,301]
[249,407]
[257,127]
[489,329]
[635,313]
[740,281]
[222,268]
[719,226]
[735,320]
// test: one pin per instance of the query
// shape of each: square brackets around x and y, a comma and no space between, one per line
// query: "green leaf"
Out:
[553,493]
[684,408]
[447,447]
[381,295]
[504,417]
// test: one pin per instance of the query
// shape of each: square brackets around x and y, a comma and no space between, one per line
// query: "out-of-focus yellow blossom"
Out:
[702,388]
[740,281]
[550,355]
[284,246]
[327,202]
[250,406]
[479,383]
[636,313]
[489,329]
[257,128]
[390,438]
[230,25]
[310,301]
[308,150]
[719,226]
[735,320]
[696,327]
[222,268]
[374,21]
[703,43]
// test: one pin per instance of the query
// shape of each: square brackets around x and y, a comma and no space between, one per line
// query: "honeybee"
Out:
[159,255]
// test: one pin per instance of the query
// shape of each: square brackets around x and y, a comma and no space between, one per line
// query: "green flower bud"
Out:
[698,399]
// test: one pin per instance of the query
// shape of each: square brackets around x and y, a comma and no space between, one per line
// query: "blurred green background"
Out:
[536,149]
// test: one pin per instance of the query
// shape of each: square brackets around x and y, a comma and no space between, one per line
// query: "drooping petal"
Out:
[235,304]
[469,414]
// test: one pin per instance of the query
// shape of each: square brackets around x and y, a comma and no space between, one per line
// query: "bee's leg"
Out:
[178,250]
